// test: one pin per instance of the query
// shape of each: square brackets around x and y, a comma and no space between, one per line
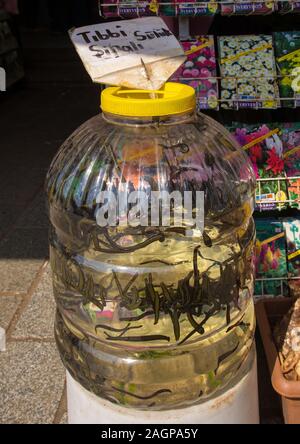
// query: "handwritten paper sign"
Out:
[140,53]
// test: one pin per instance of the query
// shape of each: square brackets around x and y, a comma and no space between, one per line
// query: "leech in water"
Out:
[228,314]
[163,262]
[197,327]
[117,330]
[195,268]
[166,293]
[206,239]
[126,330]
[159,392]
[138,338]
[225,355]
[179,230]
[175,321]
[131,281]
[113,247]
[153,296]
[137,318]
[239,322]
[191,333]
[121,293]
[207,316]
[118,248]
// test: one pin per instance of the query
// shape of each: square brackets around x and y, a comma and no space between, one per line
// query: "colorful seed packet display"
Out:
[129,8]
[239,7]
[270,258]
[291,155]
[200,71]
[265,149]
[287,50]
[294,193]
[190,8]
[291,148]
[289,6]
[248,72]
[292,233]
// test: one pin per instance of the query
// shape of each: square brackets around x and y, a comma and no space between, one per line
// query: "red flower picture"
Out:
[274,162]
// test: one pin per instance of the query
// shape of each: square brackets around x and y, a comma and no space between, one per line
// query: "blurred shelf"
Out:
[283,282]
[180,8]
[10,52]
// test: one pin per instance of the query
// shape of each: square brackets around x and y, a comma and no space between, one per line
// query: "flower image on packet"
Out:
[291,148]
[287,50]
[190,8]
[291,155]
[200,70]
[294,193]
[239,7]
[289,6]
[248,71]
[270,258]
[129,8]
[292,232]
[264,146]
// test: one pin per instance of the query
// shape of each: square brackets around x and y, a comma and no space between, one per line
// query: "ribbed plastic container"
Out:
[152,317]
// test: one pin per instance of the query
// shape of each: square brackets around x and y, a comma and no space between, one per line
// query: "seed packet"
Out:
[264,147]
[238,7]
[287,50]
[190,8]
[129,8]
[248,71]
[292,232]
[294,193]
[200,71]
[270,258]
[291,155]
[289,6]
[291,148]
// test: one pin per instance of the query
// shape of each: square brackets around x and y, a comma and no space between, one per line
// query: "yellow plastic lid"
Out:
[172,98]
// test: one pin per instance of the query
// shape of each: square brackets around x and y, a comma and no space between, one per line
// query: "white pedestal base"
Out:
[238,404]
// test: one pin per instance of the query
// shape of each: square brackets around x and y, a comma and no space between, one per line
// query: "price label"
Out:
[135,53]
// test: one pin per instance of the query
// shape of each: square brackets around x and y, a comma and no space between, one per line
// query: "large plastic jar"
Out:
[152,317]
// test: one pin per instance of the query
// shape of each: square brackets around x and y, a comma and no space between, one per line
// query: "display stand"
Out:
[236,404]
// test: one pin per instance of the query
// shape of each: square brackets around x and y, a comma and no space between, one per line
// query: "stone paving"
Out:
[35,118]
[32,378]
